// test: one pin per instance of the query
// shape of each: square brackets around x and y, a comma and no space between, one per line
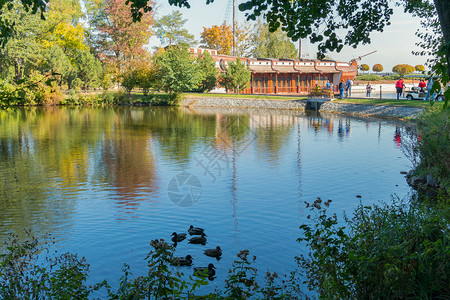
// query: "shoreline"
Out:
[379,111]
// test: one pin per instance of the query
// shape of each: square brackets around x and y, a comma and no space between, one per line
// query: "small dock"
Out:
[315,103]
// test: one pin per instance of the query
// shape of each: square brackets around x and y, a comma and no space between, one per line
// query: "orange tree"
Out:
[419,68]
[402,70]
[218,37]
[364,67]
[377,68]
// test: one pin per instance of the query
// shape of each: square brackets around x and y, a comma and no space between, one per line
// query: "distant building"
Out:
[287,76]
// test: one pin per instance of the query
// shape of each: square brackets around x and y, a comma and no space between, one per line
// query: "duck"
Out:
[205,271]
[195,230]
[159,244]
[178,237]
[182,261]
[198,239]
[213,252]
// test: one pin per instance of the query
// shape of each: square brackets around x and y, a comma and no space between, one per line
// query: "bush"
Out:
[368,77]
[392,77]
[434,146]
[389,251]
[29,270]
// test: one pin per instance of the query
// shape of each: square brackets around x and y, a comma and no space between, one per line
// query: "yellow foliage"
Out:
[219,38]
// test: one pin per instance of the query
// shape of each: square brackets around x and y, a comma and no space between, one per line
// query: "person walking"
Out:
[399,86]
[368,89]
[328,85]
[349,87]
[341,89]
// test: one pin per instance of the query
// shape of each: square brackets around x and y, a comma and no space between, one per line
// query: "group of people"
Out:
[347,87]
[400,85]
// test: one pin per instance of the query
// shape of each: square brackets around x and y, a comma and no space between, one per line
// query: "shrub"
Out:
[388,251]
[434,146]
[29,270]
[368,77]
[392,77]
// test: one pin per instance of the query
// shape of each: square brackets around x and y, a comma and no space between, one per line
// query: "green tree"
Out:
[364,67]
[236,77]
[402,70]
[89,69]
[377,68]
[177,71]
[208,71]
[419,68]
[272,44]
[129,80]
[169,29]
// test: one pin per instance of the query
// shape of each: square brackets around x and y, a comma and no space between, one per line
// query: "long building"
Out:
[287,76]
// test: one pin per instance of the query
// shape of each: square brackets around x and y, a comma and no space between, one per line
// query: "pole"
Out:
[299,49]
[234,28]
[380,92]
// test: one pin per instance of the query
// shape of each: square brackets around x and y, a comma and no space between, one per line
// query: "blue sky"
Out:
[393,46]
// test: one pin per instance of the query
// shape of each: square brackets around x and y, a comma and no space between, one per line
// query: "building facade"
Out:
[287,76]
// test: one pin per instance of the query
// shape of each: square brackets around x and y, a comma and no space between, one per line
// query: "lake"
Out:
[106,181]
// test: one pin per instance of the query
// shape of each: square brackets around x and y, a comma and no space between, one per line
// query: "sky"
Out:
[393,46]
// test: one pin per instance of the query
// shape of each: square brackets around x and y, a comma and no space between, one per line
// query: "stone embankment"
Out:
[395,112]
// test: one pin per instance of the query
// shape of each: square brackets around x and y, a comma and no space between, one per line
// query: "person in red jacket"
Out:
[399,87]
[422,85]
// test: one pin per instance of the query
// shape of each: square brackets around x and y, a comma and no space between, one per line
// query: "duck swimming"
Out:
[213,252]
[205,271]
[198,239]
[178,237]
[195,230]
[182,261]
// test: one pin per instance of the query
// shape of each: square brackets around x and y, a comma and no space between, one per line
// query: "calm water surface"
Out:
[105,182]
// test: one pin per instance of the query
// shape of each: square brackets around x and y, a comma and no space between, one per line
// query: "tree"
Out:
[236,76]
[170,29]
[419,68]
[272,44]
[115,32]
[377,68]
[208,72]
[220,38]
[177,71]
[402,70]
[364,67]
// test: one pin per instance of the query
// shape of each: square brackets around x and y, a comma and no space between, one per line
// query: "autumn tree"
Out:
[402,70]
[419,68]
[170,30]
[220,38]
[364,67]
[115,32]
[236,77]
[272,44]
[377,68]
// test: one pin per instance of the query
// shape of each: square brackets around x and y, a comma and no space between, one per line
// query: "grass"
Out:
[244,96]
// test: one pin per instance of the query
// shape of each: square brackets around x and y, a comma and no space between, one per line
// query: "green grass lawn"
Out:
[243,96]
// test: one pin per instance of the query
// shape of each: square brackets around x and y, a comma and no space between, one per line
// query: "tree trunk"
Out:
[443,10]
